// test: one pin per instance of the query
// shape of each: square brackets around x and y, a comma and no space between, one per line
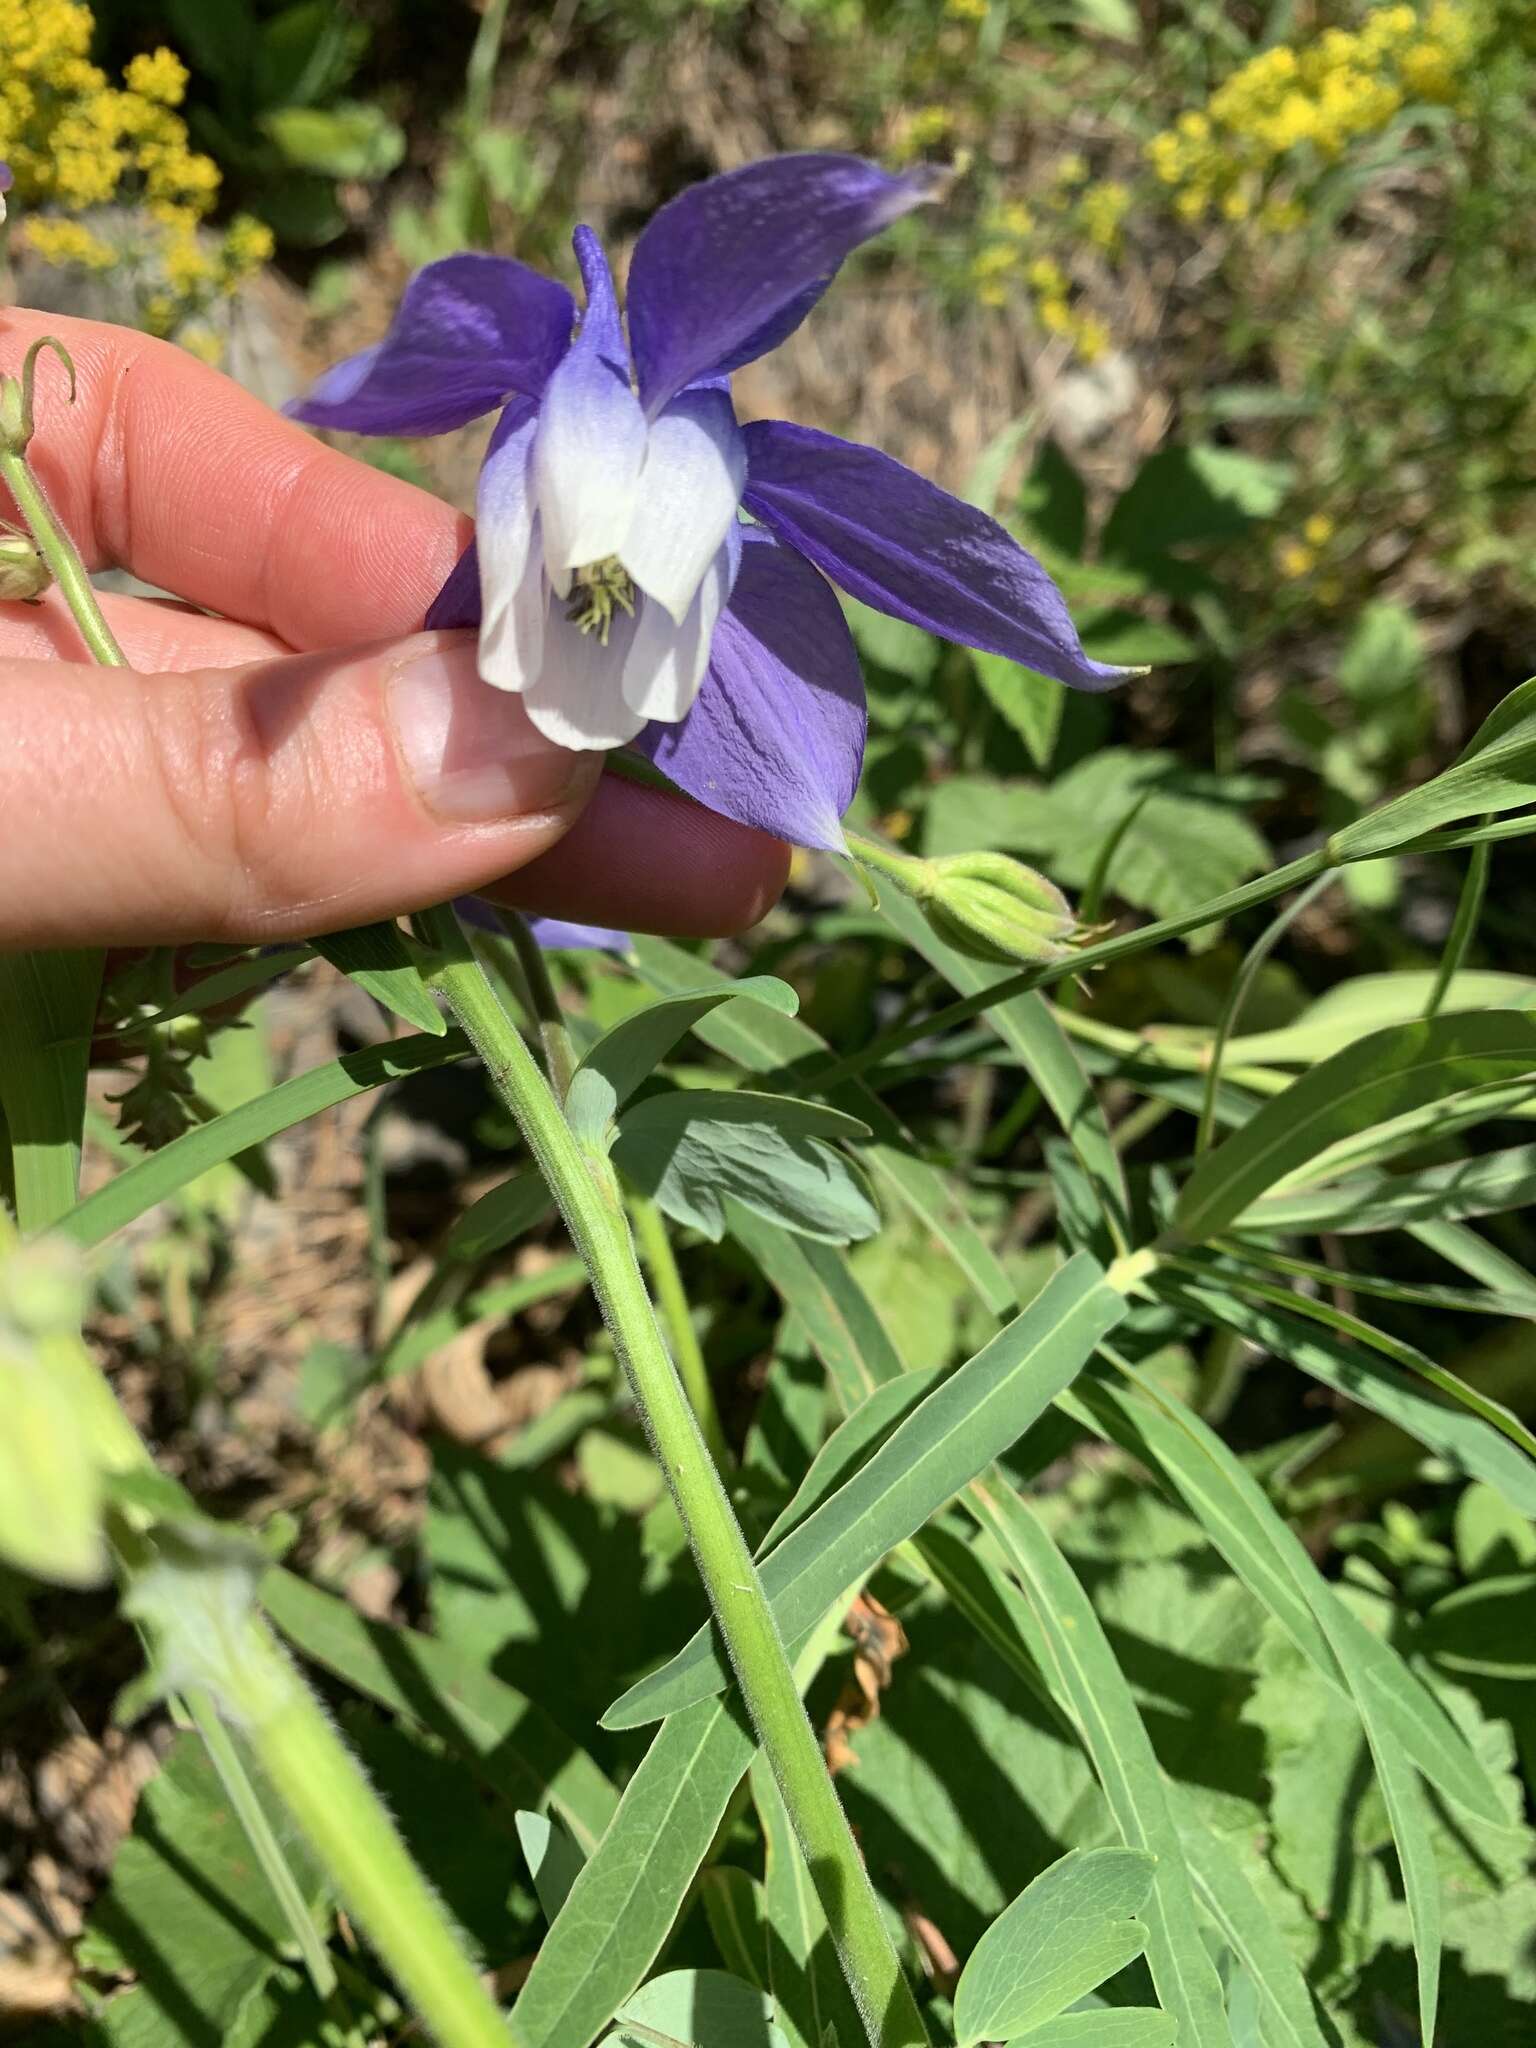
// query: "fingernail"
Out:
[472,751]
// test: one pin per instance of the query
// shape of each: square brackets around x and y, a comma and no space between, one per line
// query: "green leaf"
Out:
[151,1180]
[1495,771]
[1408,1814]
[807,1983]
[621,1907]
[734,1908]
[690,1148]
[1063,1936]
[1198,493]
[1485,1185]
[1027,1025]
[554,1859]
[841,1321]
[1053,501]
[190,1913]
[497,1217]
[377,958]
[700,2009]
[1369,1002]
[1466,1442]
[764,1042]
[971,1418]
[1128,2026]
[511,1744]
[1088,1681]
[47,1011]
[851,1444]
[1403,1068]
[1032,704]
[1488,1629]
[348,139]
[1290,2019]
[625,1055]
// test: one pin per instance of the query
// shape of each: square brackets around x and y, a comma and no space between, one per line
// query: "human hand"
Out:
[286,754]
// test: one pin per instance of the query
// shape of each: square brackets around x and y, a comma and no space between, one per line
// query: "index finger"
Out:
[167,468]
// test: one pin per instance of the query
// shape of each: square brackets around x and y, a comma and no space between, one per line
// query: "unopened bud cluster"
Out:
[985,904]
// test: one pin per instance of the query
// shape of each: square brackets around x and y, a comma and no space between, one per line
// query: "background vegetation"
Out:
[1230,315]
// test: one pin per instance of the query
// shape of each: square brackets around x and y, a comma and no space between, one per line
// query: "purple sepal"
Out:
[892,539]
[457,604]
[554,934]
[468,332]
[775,737]
[728,268]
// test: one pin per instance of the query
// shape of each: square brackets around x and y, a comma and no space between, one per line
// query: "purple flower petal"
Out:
[591,438]
[469,332]
[554,934]
[899,543]
[775,737]
[457,604]
[727,269]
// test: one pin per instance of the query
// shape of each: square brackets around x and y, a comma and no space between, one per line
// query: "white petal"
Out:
[690,485]
[586,462]
[666,663]
[577,699]
[513,596]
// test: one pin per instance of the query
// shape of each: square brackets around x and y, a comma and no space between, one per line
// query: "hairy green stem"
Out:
[58,551]
[554,1038]
[587,1191]
[655,1244]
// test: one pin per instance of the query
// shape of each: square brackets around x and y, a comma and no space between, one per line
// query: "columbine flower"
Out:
[613,581]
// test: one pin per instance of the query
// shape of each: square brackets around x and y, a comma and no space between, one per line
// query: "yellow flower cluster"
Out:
[1298,557]
[75,142]
[1318,97]
[968,10]
[1007,255]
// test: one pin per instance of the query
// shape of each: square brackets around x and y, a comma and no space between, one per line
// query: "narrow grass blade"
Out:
[510,1742]
[151,1180]
[968,1420]
[1092,1686]
[1405,1067]
[1482,1186]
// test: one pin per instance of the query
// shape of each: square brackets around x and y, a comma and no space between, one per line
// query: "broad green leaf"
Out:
[971,1418]
[1027,1025]
[734,1908]
[1484,1185]
[1091,1685]
[377,958]
[1274,1564]
[803,1972]
[621,1908]
[1465,1441]
[1126,2026]
[47,1012]
[1031,703]
[1370,1002]
[190,1913]
[511,1744]
[611,1071]
[1290,2018]
[151,1180]
[1198,492]
[841,1321]
[1383,1075]
[1488,1628]
[690,1148]
[348,139]
[699,2009]
[554,1858]
[1065,1933]
[764,1042]
[1495,771]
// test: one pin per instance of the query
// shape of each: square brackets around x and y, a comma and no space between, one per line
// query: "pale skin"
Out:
[306,759]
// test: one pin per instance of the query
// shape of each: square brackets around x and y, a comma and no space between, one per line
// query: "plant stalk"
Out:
[672,1300]
[587,1191]
[65,565]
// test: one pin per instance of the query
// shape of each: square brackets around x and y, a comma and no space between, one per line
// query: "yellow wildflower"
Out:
[160,76]
[69,241]
[1318,529]
[967,10]
[1102,209]
[1293,558]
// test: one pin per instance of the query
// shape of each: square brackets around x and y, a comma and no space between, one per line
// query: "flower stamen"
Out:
[597,592]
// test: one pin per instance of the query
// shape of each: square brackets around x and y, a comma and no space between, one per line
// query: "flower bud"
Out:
[24,575]
[995,908]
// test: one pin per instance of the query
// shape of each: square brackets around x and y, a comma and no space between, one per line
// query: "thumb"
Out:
[292,796]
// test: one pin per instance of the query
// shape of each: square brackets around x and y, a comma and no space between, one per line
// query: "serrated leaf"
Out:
[973,1416]
[1031,703]
[1065,1933]
[377,958]
[691,1148]
[611,1070]
[1403,1068]
[151,1180]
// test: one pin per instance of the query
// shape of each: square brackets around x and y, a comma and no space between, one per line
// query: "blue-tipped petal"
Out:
[469,332]
[899,543]
[731,266]
[775,737]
